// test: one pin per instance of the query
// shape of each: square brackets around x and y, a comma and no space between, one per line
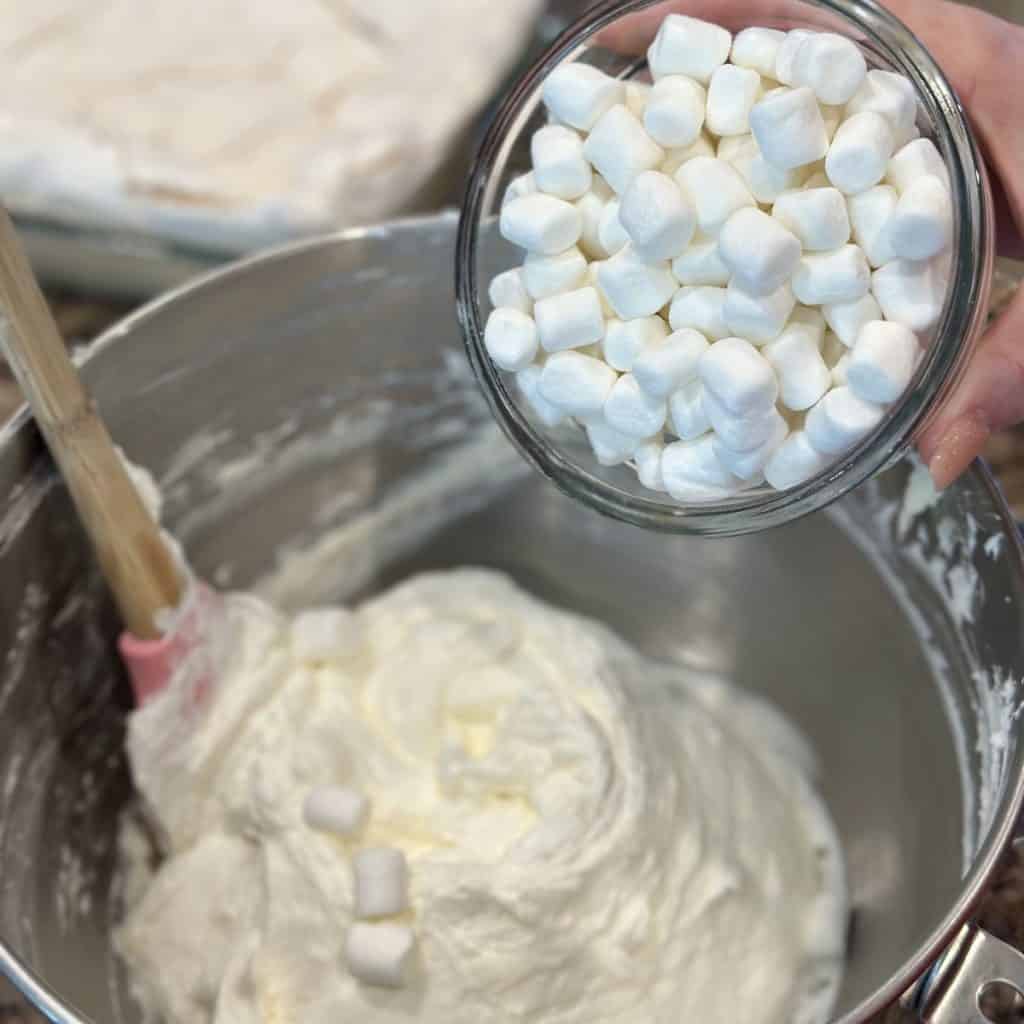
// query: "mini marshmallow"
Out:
[508,291]
[577,384]
[789,128]
[688,46]
[860,152]
[380,954]
[716,190]
[336,809]
[739,377]
[916,160]
[624,340]
[749,465]
[759,319]
[610,232]
[818,217]
[795,461]
[842,275]
[740,434]
[731,96]
[912,294]
[759,251]
[518,188]
[870,213]
[891,95]
[832,65]
[578,94]
[529,384]
[559,166]
[758,49]
[610,446]
[632,411]
[702,309]
[686,411]
[675,158]
[541,223]
[510,338]
[659,219]
[840,421]
[692,466]
[798,364]
[638,95]
[674,116]
[381,887]
[648,465]
[592,207]
[701,264]
[766,183]
[570,320]
[545,276]
[847,318]
[922,224]
[620,149]
[786,56]
[606,308]
[883,362]
[666,364]
[325,634]
[634,287]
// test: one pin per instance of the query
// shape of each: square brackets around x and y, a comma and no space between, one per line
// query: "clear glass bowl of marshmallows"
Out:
[721,260]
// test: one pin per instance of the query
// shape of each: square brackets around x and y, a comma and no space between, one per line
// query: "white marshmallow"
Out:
[749,465]
[559,167]
[659,219]
[766,183]
[578,94]
[380,954]
[701,264]
[638,95]
[620,149]
[634,287]
[541,223]
[759,251]
[508,291]
[870,213]
[606,308]
[758,49]
[798,363]
[739,377]
[545,276]
[883,362]
[381,882]
[610,446]
[510,338]
[731,96]
[610,232]
[922,223]
[325,634]
[648,465]
[632,411]
[687,413]
[592,207]
[841,420]
[891,95]
[688,46]
[664,365]
[675,158]
[860,153]
[624,340]
[758,318]
[529,384]
[570,320]
[524,185]
[335,809]
[716,190]
[832,65]
[674,116]
[847,318]
[692,471]
[741,434]
[577,384]
[789,128]
[912,294]
[795,461]
[786,56]
[702,309]
[842,275]
[916,160]
[818,217]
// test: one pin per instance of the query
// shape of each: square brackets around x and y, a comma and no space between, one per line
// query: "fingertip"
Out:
[956,449]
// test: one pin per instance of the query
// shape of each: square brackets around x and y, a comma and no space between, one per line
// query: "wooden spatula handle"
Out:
[133,556]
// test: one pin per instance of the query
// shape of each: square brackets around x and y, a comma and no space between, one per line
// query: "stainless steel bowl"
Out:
[292,394]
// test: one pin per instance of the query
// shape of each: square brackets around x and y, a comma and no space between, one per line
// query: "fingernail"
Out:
[959,447]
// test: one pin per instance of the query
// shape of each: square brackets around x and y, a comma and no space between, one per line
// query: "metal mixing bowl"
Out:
[291,394]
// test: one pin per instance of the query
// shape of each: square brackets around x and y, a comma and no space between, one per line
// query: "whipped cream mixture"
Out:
[590,835]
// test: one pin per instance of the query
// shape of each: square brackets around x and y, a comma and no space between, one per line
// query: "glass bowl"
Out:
[562,454]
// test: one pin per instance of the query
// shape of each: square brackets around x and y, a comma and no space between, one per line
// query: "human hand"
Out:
[982,56]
